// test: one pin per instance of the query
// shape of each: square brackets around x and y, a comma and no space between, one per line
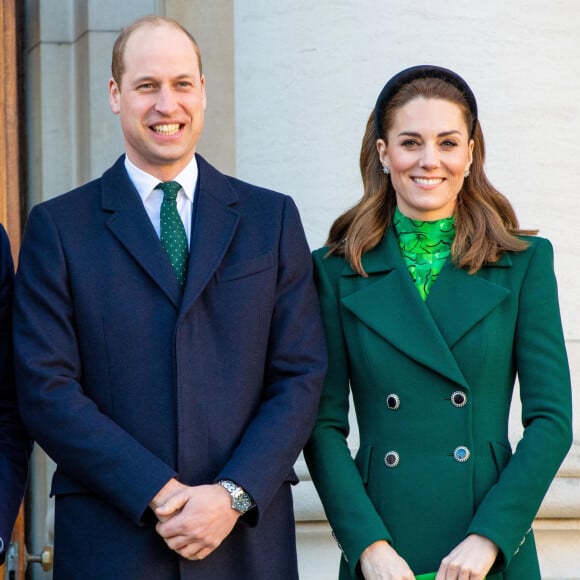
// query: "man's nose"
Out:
[166,101]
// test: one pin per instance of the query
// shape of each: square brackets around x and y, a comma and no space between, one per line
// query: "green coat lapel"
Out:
[389,304]
[458,301]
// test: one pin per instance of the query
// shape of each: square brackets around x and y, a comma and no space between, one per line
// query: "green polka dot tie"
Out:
[173,237]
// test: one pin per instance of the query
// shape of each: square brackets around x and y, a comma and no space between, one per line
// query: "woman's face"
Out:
[428,151]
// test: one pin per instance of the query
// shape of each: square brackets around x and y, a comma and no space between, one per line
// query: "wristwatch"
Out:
[241,500]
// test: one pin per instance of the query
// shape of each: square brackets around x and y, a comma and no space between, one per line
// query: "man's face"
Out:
[161,100]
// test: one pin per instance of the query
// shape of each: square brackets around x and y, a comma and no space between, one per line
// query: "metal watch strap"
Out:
[241,500]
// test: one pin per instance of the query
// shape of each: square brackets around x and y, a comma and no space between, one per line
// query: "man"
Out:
[14,443]
[173,388]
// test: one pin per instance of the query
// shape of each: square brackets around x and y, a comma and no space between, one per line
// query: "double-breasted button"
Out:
[459,399]
[461,454]
[393,401]
[392,459]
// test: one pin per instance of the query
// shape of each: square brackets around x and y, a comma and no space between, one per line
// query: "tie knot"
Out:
[170,188]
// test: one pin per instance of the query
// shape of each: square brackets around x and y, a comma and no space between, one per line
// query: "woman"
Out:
[433,301]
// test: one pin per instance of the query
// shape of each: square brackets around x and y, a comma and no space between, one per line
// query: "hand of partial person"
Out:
[470,560]
[193,521]
[380,561]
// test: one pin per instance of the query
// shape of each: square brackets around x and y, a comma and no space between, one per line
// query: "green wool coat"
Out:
[428,378]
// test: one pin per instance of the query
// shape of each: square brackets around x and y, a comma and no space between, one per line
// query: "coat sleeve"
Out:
[508,509]
[352,515]
[294,373]
[92,451]
[14,442]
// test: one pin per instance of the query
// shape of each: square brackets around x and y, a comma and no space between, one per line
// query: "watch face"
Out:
[242,502]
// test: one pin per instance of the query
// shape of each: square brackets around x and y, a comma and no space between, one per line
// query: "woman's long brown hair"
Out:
[485,222]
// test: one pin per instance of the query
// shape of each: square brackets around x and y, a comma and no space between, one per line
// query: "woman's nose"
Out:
[429,157]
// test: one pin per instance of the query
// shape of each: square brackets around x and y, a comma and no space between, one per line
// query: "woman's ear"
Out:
[383,152]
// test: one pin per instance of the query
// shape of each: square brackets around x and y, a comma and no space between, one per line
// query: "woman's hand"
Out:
[380,562]
[470,560]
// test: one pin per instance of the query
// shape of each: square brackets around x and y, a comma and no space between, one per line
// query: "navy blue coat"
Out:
[126,384]
[14,443]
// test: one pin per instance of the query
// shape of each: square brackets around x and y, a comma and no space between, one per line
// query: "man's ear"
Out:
[114,97]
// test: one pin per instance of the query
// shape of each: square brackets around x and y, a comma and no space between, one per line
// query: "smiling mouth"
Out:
[167,129]
[427,180]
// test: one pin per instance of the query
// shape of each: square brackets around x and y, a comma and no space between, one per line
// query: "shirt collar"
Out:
[424,237]
[145,183]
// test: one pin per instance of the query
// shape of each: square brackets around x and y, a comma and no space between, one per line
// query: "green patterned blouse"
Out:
[425,247]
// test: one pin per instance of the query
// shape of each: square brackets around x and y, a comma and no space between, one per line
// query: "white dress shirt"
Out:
[145,185]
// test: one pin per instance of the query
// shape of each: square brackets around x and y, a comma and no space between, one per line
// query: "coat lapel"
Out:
[129,223]
[458,301]
[388,303]
[215,222]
